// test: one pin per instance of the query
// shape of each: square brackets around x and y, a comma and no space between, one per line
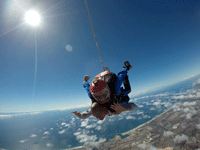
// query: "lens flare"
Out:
[69,48]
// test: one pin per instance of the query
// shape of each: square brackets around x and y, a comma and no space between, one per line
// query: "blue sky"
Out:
[159,38]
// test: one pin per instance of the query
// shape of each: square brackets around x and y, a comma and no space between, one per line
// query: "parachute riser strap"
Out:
[94,34]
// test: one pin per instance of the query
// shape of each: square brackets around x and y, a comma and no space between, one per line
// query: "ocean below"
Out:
[60,129]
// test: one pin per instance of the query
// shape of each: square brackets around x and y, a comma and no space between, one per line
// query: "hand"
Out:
[86,78]
[77,114]
[118,108]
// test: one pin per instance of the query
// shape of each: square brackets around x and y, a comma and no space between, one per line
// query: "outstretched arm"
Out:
[118,108]
[77,114]
[121,107]
[84,114]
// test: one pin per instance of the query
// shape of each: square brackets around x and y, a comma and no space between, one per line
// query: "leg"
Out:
[120,79]
[127,86]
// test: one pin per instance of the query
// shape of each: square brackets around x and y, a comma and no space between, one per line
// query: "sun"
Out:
[32,18]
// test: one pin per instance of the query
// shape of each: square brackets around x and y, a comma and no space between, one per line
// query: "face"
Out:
[102,98]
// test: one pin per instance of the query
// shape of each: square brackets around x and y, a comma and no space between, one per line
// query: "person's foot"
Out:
[127,65]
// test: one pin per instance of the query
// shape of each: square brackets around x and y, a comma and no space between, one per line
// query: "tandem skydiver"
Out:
[107,95]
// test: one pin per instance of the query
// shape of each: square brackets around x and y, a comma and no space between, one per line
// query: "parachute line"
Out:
[94,34]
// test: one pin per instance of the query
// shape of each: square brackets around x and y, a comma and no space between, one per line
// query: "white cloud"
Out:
[102,140]
[33,135]
[62,124]
[146,116]
[88,139]
[186,110]
[197,84]
[67,125]
[49,145]
[51,128]
[187,107]
[139,112]
[185,104]
[146,147]
[100,121]
[84,122]
[130,117]
[77,133]
[168,133]
[143,97]
[120,118]
[91,126]
[94,145]
[84,138]
[46,133]
[23,141]
[188,116]
[191,113]
[198,126]
[98,128]
[147,103]
[178,97]
[175,109]
[5,116]
[152,108]
[61,132]
[157,103]
[111,119]
[72,121]
[132,101]
[140,106]
[167,104]
[180,138]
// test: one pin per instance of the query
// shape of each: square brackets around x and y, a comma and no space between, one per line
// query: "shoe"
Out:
[127,65]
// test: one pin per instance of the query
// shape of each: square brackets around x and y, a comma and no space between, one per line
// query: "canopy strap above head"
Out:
[94,35]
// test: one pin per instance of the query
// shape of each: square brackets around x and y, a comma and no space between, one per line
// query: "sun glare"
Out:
[32,18]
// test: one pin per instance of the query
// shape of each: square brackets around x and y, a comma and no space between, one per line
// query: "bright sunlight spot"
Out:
[32,18]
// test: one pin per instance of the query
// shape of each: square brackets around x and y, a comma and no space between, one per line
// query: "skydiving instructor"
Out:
[107,95]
